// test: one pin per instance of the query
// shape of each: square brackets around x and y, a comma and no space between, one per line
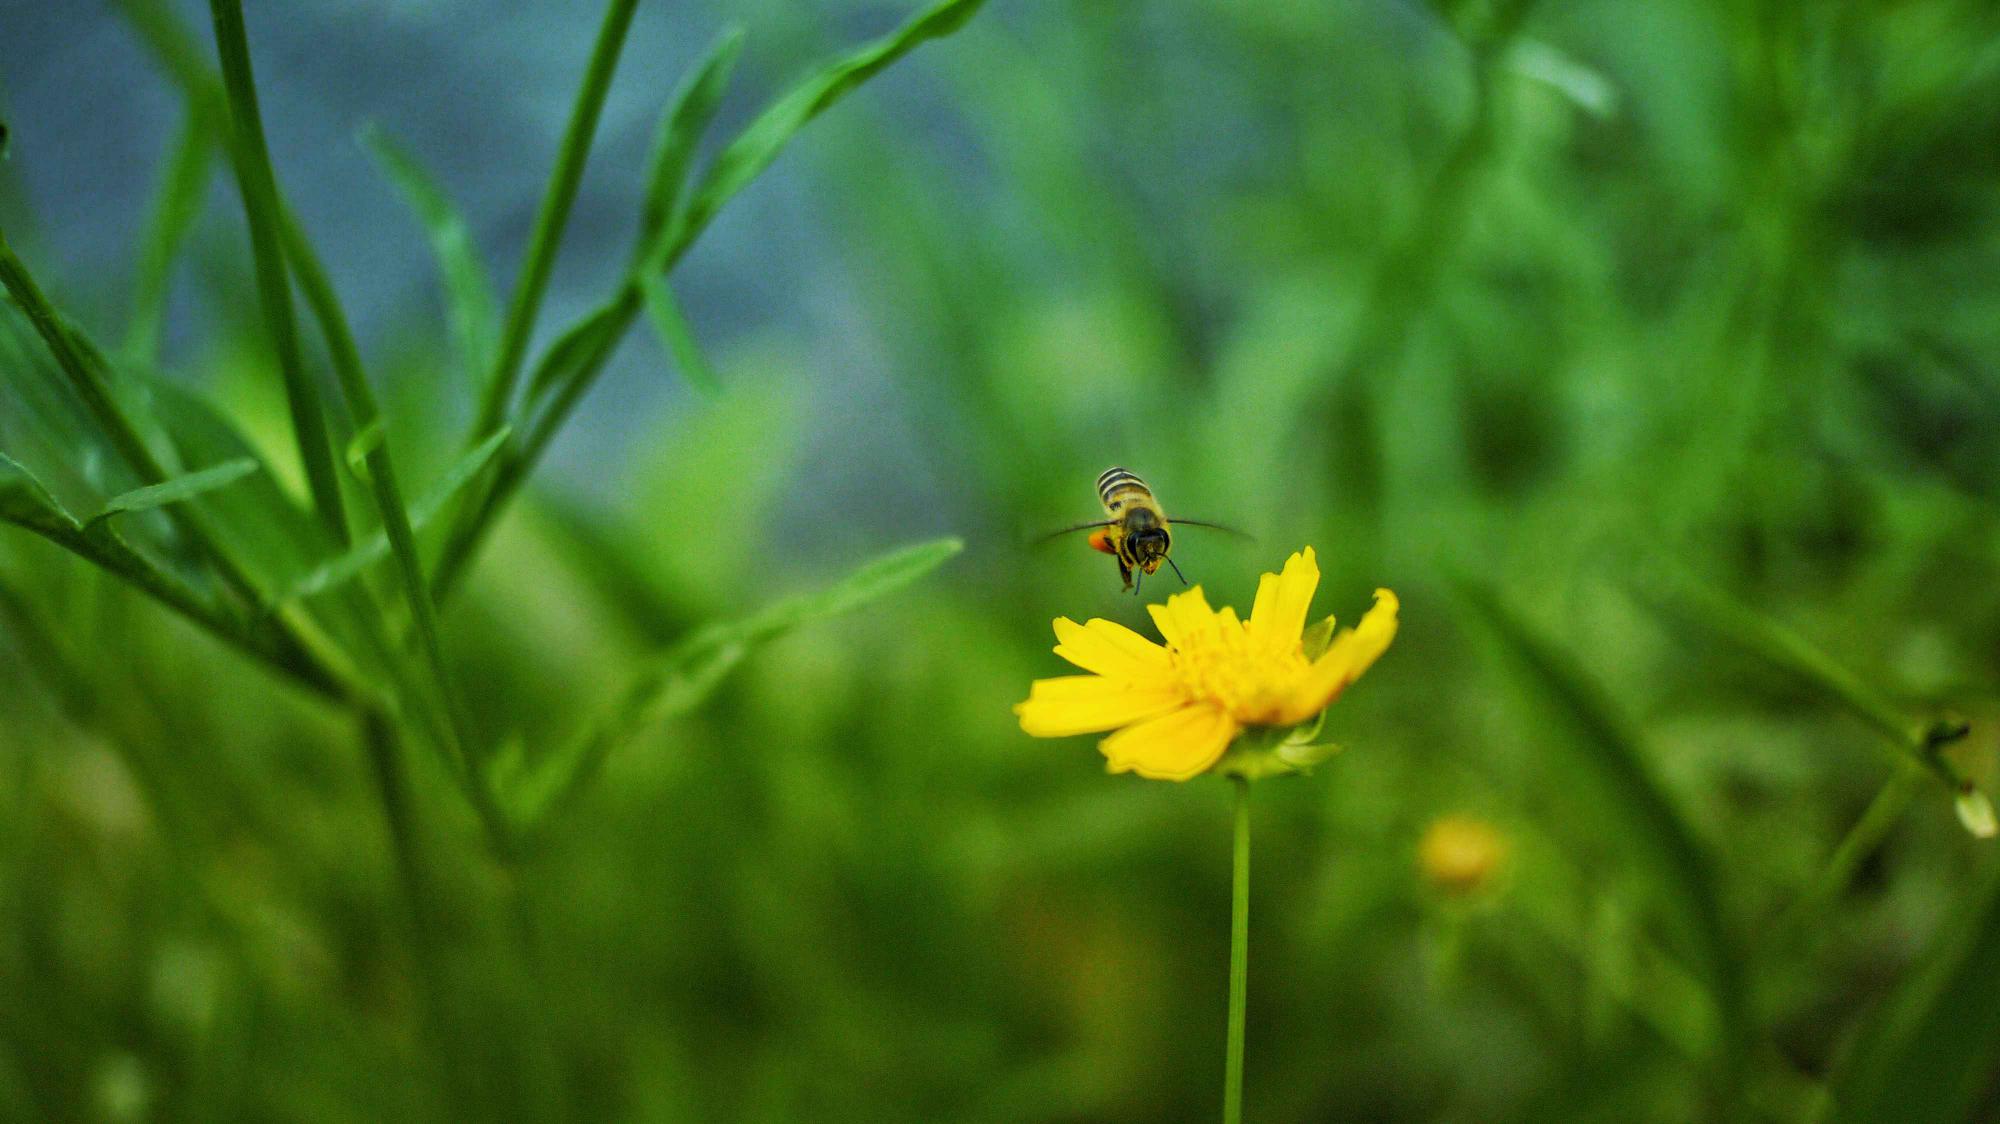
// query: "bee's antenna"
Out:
[1177,571]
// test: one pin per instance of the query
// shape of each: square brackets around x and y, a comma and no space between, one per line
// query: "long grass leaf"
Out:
[681,128]
[759,144]
[691,671]
[552,216]
[670,324]
[734,168]
[258,186]
[1696,607]
[82,365]
[585,340]
[376,547]
[184,487]
[1601,747]
[26,503]
[468,294]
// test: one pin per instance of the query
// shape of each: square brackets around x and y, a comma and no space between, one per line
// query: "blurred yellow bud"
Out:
[1460,854]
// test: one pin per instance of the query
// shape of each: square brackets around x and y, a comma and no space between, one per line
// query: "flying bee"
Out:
[1135,530]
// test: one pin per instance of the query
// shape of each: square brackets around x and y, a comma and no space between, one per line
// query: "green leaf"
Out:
[582,345]
[275,537]
[668,321]
[375,547]
[689,673]
[176,489]
[759,144]
[681,128]
[1927,1053]
[25,503]
[1583,726]
[474,313]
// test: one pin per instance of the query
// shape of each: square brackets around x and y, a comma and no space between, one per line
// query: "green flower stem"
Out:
[1239,958]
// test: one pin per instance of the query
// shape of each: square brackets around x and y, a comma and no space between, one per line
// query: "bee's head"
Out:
[1149,548]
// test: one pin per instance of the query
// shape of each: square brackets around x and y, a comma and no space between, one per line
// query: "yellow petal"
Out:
[1173,746]
[1345,659]
[1185,620]
[1279,613]
[1111,649]
[1089,704]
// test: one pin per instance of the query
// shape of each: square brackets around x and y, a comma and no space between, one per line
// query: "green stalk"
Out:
[259,187]
[325,303]
[516,463]
[552,216]
[1239,958]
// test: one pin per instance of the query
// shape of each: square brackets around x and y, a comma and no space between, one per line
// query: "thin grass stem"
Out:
[324,302]
[550,219]
[287,650]
[259,188]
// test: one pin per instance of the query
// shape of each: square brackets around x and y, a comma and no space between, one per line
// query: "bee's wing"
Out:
[1072,529]
[1223,527]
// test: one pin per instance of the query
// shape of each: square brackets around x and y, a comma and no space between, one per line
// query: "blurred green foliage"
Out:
[1648,351]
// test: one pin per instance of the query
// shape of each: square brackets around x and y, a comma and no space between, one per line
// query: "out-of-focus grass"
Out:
[1539,302]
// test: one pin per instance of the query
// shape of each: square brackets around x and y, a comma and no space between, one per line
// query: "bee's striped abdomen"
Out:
[1119,489]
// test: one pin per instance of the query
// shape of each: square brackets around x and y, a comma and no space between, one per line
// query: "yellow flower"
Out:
[1177,708]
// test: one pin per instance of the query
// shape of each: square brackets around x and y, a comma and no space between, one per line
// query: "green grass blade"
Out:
[682,126]
[25,503]
[177,203]
[1696,608]
[184,487]
[561,377]
[80,364]
[733,169]
[468,295]
[691,671]
[759,144]
[1604,752]
[1928,1054]
[670,323]
[259,188]
[552,216]
[376,547]
[588,339]
[177,51]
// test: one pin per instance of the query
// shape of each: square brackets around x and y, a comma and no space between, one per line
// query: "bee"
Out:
[1135,530]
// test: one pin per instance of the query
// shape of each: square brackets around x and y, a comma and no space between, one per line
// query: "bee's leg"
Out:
[1125,573]
[1137,582]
